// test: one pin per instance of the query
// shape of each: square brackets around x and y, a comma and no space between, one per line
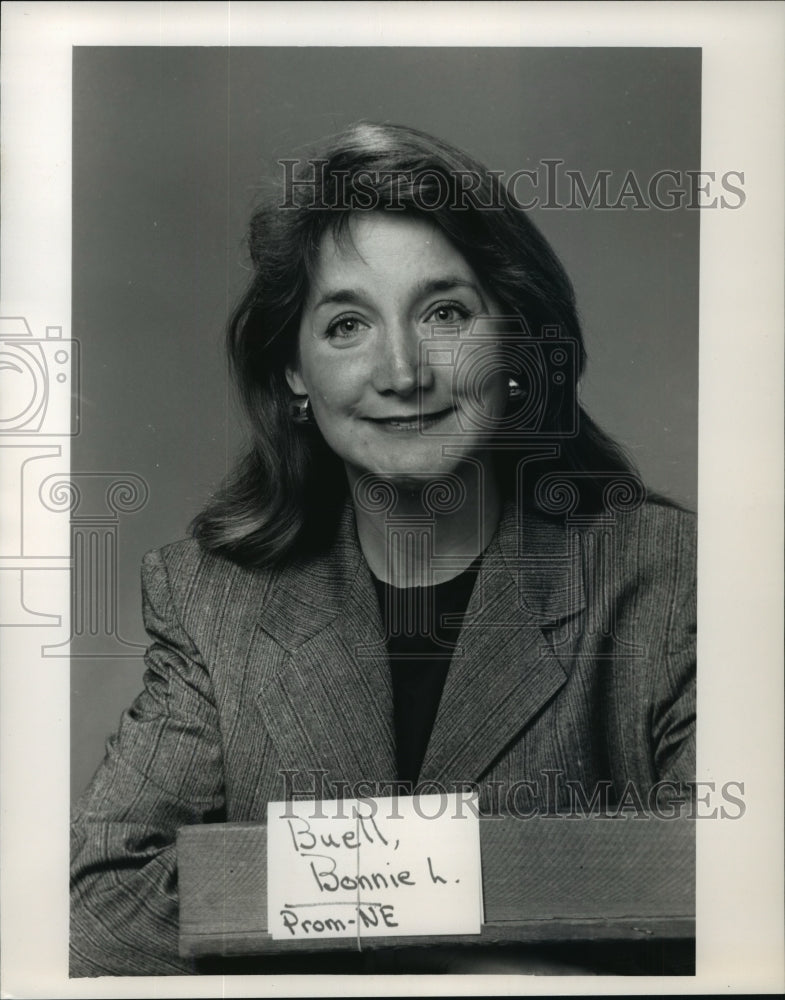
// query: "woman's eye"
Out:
[448,312]
[345,327]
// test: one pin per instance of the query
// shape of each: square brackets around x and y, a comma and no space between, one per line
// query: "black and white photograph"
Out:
[390,497]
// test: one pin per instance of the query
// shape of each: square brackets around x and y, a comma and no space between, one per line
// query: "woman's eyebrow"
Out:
[340,296]
[446,284]
[430,286]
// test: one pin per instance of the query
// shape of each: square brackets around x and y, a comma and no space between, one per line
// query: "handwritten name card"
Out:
[373,867]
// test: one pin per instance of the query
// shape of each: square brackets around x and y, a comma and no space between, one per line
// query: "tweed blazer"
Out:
[575,669]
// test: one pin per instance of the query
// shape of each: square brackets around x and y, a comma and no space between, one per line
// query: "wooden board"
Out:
[545,879]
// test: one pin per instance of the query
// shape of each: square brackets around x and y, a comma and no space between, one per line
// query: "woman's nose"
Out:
[400,367]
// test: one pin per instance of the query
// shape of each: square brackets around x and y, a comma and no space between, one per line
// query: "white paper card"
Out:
[377,867]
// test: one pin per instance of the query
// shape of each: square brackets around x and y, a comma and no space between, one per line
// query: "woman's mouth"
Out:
[414,422]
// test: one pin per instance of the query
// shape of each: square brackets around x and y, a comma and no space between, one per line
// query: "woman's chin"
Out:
[409,473]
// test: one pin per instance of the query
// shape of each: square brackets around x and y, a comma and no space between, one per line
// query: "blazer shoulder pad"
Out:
[203,584]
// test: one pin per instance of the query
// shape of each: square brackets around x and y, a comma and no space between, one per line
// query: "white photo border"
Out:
[740,863]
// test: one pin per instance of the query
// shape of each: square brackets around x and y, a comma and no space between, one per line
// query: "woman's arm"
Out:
[673,730]
[163,769]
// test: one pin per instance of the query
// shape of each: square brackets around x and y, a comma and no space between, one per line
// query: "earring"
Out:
[514,389]
[300,410]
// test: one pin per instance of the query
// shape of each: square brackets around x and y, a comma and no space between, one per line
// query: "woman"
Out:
[430,567]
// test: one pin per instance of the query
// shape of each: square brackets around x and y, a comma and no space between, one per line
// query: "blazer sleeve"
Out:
[673,722]
[162,770]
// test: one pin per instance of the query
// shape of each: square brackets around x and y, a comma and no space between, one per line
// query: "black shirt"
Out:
[420,646]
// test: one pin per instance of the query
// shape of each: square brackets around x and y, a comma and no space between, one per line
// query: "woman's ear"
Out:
[295,381]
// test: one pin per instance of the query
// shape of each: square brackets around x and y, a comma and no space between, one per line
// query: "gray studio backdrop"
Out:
[171,148]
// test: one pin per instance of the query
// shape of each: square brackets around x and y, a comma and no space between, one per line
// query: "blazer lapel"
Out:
[328,707]
[504,671]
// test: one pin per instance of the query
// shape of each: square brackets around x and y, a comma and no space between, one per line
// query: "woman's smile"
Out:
[411,422]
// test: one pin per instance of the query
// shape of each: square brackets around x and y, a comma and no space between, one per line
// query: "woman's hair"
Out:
[284,497]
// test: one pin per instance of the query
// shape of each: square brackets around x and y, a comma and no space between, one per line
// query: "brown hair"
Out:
[284,495]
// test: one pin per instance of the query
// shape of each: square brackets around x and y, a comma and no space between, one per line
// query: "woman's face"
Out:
[387,389]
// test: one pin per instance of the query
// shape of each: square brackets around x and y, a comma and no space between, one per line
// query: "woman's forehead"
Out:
[387,247]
